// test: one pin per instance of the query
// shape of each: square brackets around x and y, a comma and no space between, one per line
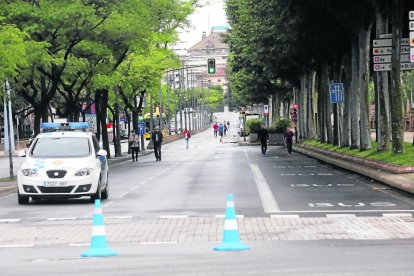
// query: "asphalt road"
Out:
[300,217]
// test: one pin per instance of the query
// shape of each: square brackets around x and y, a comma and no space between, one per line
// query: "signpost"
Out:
[337,92]
[411,27]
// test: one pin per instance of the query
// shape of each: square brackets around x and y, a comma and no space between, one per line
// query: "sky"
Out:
[211,14]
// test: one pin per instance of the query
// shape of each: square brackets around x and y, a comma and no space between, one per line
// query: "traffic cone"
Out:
[231,237]
[99,246]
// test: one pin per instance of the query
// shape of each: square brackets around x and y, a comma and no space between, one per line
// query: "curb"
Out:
[397,169]
[394,180]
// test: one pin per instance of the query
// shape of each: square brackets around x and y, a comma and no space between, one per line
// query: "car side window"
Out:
[96,145]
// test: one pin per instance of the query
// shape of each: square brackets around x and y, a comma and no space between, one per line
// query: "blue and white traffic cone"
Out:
[231,237]
[99,246]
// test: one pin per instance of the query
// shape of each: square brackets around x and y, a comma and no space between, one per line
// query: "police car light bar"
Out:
[65,126]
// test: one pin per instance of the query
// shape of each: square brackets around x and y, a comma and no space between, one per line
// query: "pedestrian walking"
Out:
[156,137]
[225,128]
[263,138]
[228,124]
[215,128]
[187,136]
[221,131]
[288,137]
[134,145]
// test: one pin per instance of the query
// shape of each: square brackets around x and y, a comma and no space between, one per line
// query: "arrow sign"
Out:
[388,50]
[387,58]
[388,42]
[387,66]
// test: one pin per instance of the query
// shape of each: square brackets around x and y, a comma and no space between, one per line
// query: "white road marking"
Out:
[133,188]
[173,216]
[79,244]
[340,215]
[15,245]
[284,216]
[224,216]
[10,220]
[155,243]
[268,200]
[124,194]
[119,217]
[397,215]
[57,219]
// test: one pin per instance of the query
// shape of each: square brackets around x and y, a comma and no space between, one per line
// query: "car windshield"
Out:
[61,147]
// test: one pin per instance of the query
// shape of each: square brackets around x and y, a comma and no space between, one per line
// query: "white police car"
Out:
[64,161]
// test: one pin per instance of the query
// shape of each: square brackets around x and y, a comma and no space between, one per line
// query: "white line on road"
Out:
[173,216]
[15,245]
[119,217]
[397,215]
[284,216]
[340,215]
[57,219]
[79,244]
[124,194]
[10,220]
[224,216]
[268,200]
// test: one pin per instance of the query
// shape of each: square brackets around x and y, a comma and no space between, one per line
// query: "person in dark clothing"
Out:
[288,137]
[156,137]
[263,138]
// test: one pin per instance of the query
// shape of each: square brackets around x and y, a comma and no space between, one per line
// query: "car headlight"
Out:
[83,172]
[29,172]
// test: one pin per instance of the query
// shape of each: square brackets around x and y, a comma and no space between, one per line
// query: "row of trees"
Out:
[294,49]
[63,53]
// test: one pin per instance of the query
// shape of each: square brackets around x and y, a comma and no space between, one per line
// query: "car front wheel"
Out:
[23,200]
[97,195]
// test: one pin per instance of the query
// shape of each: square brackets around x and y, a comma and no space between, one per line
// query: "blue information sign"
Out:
[337,92]
[141,128]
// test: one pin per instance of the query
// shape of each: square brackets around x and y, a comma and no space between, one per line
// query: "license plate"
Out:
[55,184]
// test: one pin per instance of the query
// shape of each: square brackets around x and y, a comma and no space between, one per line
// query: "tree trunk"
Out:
[98,114]
[327,103]
[381,115]
[354,101]
[321,126]
[364,46]
[396,94]
[346,122]
[309,106]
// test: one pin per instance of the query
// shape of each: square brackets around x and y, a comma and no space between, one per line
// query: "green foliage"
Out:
[403,159]
[280,126]
[253,125]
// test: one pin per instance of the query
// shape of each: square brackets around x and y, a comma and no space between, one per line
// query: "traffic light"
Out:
[211,64]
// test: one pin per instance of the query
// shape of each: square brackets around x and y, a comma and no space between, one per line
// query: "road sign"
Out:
[382,36]
[337,92]
[411,25]
[412,39]
[141,127]
[411,15]
[387,58]
[388,50]
[387,66]
[412,54]
[388,42]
